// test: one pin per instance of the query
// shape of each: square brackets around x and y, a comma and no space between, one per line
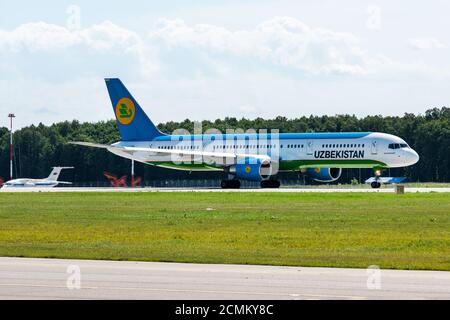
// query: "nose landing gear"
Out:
[376,184]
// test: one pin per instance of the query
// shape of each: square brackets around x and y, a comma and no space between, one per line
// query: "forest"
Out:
[38,148]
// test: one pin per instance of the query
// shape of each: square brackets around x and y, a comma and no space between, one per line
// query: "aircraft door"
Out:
[310,147]
[374,147]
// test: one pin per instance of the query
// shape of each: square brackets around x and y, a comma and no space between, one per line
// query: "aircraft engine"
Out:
[324,174]
[256,171]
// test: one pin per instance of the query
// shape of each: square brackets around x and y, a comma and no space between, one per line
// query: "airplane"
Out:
[251,156]
[49,182]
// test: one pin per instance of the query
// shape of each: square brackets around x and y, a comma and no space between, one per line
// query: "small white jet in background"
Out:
[49,182]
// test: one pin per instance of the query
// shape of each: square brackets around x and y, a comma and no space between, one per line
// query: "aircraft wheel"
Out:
[235,184]
[230,184]
[270,184]
[375,185]
[275,184]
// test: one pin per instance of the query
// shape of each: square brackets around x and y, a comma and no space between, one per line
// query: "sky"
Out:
[203,60]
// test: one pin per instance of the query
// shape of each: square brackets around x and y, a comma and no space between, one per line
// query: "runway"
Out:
[23,278]
[298,190]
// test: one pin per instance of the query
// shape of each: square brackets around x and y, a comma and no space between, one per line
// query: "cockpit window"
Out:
[397,145]
[394,146]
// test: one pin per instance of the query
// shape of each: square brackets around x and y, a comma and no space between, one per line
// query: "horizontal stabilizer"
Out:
[90,144]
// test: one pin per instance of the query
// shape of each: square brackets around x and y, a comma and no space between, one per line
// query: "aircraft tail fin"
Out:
[54,175]
[133,123]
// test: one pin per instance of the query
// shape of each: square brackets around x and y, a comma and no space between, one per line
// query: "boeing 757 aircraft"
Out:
[251,156]
[49,182]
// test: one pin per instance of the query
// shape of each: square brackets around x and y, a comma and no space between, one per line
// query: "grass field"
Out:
[410,231]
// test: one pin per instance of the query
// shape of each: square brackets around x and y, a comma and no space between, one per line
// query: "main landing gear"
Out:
[236,184]
[230,184]
[270,184]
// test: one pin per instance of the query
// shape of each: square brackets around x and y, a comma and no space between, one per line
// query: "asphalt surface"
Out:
[300,190]
[23,278]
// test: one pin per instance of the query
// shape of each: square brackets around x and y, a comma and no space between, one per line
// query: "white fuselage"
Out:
[29,183]
[49,182]
[291,151]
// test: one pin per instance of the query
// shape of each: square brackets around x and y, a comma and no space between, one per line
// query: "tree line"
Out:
[37,148]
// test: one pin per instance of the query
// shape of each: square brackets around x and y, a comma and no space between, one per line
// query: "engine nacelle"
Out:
[256,171]
[324,174]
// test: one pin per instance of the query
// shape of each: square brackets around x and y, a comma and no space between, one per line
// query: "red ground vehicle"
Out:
[122,181]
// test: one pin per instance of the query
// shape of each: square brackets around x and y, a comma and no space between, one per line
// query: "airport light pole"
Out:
[11,116]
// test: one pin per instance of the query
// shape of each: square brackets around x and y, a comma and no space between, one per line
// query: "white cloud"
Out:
[104,37]
[426,43]
[281,41]
[178,70]
[38,36]
[284,43]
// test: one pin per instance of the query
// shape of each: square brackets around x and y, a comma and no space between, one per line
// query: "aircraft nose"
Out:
[413,157]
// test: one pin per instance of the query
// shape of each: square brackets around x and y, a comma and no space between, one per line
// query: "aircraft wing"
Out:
[224,157]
